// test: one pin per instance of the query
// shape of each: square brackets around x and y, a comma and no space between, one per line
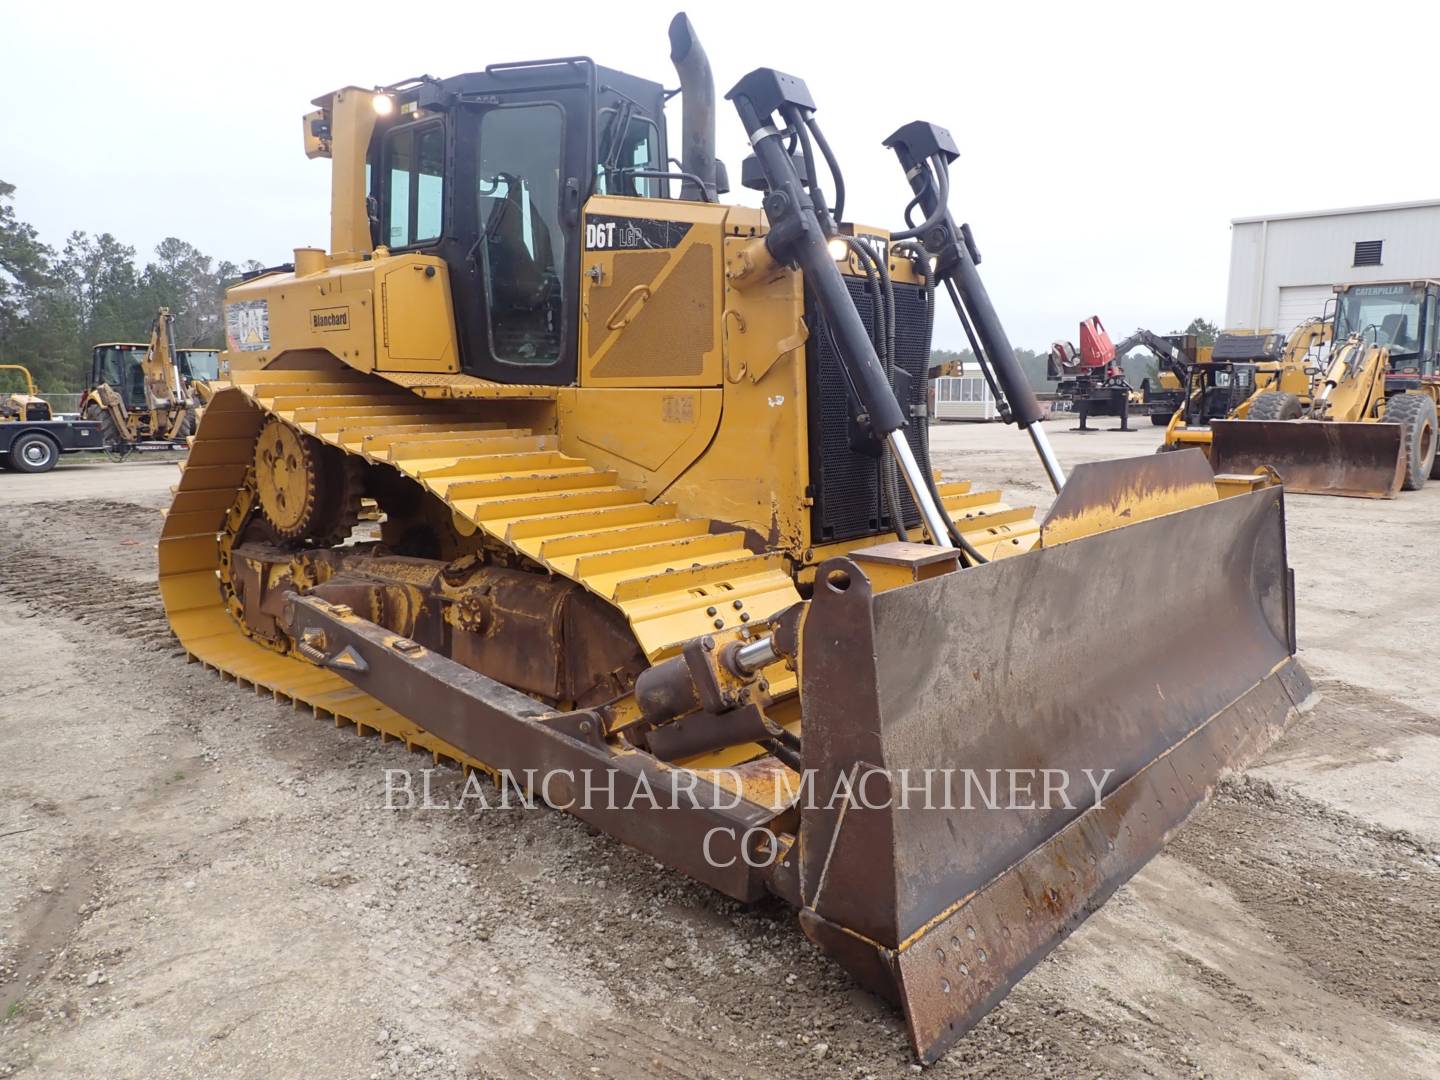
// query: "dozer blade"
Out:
[1156,656]
[1314,457]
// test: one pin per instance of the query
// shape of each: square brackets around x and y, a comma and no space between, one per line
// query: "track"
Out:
[246,930]
[674,577]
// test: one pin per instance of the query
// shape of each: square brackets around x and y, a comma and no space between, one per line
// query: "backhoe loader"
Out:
[1234,379]
[1368,428]
[145,397]
[662,542]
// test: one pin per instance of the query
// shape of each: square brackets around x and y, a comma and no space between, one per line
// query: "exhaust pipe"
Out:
[697,88]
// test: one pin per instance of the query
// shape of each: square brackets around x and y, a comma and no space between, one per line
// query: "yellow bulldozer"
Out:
[1367,427]
[148,396]
[662,543]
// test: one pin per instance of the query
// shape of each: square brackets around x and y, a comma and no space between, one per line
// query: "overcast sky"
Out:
[1105,147]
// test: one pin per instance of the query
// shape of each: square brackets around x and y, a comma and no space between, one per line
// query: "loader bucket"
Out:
[1314,457]
[1156,655]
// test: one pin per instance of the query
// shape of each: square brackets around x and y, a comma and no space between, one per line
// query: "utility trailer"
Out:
[34,446]
[31,437]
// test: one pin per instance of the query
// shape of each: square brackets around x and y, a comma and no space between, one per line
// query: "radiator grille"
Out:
[846,485]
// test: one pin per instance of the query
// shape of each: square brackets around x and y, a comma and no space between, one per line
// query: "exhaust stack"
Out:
[697,88]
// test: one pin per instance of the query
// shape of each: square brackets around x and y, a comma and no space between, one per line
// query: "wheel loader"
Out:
[1368,428]
[146,397]
[662,543]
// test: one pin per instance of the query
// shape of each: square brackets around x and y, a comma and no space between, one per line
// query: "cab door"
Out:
[520,167]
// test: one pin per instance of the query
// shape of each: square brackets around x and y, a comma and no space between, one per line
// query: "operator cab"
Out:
[120,365]
[1217,387]
[489,171]
[198,365]
[1404,316]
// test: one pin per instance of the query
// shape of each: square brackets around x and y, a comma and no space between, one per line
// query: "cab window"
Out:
[521,243]
[415,164]
[639,149]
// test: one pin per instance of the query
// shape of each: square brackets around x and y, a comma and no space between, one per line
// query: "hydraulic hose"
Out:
[797,237]
[924,152]
[834,165]
[882,296]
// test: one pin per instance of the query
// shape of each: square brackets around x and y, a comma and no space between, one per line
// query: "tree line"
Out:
[56,303]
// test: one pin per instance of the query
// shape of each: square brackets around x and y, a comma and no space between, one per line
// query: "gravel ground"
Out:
[195,881]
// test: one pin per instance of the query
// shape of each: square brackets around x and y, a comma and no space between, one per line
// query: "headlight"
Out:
[839,250]
[384,104]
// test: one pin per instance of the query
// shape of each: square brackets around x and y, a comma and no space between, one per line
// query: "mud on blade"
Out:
[1314,457]
[1156,656]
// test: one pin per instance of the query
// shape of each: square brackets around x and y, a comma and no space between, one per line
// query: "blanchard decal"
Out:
[247,326]
[330,318]
[606,233]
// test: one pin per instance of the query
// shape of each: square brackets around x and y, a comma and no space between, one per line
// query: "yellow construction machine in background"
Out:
[660,517]
[31,437]
[1235,379]
[1368,425]
[28,405]
[148,397]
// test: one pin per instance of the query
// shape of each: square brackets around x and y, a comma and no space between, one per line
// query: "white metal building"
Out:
[964,397]
[1283,266]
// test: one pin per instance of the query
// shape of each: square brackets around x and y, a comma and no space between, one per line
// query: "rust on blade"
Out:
[1104,495]
[1004,679]
[1314,457]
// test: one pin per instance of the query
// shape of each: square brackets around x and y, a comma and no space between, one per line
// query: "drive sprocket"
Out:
[307,490]
[287,479]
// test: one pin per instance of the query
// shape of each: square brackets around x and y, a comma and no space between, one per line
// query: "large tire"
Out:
[1160,419]
[115,444]
[1415,413]
[33,452]
[1275,405]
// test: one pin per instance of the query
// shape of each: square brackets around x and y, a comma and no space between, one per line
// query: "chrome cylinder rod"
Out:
[931,515]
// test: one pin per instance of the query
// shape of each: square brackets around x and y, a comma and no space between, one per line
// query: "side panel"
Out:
[651,285]
[387,314]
